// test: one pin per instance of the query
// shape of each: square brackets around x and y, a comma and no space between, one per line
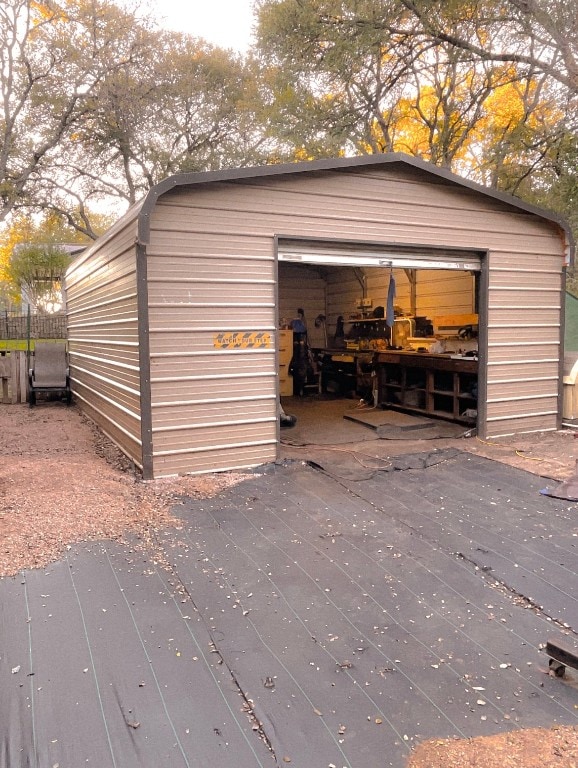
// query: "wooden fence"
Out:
[13,377]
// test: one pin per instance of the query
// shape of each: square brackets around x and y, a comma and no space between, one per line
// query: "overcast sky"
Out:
[226,23]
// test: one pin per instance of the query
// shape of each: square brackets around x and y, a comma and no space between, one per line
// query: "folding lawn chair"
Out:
[49,372]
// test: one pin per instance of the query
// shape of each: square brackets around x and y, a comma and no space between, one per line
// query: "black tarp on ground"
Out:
[355,618]
[104,663]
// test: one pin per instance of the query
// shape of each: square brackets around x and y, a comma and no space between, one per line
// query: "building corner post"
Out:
[144,362]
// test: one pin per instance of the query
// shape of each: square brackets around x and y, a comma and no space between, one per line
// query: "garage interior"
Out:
[339,359]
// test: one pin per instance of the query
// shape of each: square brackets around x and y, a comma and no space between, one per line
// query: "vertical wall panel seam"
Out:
[144,362]
[277,323]
[562,348]
[483,317]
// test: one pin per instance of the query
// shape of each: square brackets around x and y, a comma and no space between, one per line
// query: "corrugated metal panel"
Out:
[444,293]
[528,351]
[181,366]
[237,387]
[216,459]
[233,431]
[212,299]
[193,414]
[368,208]
[508,370]
[525,423]
[304,212]
[524,332]
[539,314]
[522,389]
[124,437]
[524,281]
[503,334]
[211,268]
[500,407]
[438,292]
[104,339]
[209,398]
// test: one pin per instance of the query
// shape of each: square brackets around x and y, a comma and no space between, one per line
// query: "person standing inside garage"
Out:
[298,368]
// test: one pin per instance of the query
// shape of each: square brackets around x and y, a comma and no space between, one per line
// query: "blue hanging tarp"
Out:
[390,315]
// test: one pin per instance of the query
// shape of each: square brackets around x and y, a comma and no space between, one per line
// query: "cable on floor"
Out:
[517,452]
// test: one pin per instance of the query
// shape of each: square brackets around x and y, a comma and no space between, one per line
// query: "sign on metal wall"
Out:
[243,340]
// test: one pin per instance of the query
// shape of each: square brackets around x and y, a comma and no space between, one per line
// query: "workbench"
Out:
[439,385]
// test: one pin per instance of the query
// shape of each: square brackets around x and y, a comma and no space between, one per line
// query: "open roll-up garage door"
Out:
[437,295]
[341,254]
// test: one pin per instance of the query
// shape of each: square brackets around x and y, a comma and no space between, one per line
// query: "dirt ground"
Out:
[530,748]
[63,482]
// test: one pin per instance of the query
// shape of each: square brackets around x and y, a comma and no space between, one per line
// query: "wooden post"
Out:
[13,377]
[4,374]
[23,388]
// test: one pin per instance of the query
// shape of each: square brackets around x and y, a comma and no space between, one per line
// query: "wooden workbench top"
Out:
[443,362]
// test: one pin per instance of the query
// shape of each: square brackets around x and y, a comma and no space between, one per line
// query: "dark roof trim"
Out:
[343,163]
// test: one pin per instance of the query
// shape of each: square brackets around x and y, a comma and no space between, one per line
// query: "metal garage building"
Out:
[173,313]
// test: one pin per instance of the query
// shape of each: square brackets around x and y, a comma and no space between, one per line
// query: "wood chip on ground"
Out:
[63,482]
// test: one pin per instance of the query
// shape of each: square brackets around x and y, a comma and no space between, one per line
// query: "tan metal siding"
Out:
[208,459]
[103,338]
[523,389]
[541,315]
[378,206]
[208,400]
[527,351]
[211,272]
[524,330]
[237,387]
[522,423]
[511,370]
[206,240]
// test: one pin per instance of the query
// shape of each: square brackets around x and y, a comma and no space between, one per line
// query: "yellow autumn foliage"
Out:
[19,231]
[47,11]
[433,119]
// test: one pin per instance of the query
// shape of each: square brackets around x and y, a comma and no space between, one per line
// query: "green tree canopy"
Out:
[34,253]
[37,271]
[53,56]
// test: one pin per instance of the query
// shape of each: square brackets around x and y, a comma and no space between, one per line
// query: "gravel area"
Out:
[63,482]
[531,748]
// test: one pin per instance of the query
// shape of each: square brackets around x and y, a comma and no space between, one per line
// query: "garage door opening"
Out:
[343,342]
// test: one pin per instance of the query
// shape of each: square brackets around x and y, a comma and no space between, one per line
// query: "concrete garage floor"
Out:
[349,440]
[299,618]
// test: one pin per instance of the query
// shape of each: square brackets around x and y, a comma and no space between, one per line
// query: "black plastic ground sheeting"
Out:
[297,619]
[103,663]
